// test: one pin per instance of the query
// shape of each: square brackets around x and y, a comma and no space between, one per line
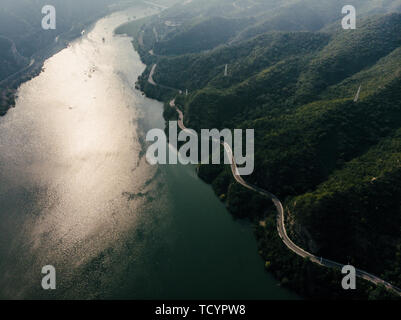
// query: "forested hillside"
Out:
[10,59]
[293,73]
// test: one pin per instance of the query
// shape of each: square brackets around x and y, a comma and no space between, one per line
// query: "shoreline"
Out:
[328,268]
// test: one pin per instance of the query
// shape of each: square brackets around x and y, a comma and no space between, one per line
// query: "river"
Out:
[76,192]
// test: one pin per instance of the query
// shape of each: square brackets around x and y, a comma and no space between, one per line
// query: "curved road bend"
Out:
[18,72]
[153,83]
[280,219]
[152,72]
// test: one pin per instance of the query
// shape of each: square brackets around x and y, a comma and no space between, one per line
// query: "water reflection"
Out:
[70,159]
[76,192]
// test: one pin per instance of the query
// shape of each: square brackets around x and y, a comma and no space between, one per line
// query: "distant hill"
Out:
[201,36]
[217,22]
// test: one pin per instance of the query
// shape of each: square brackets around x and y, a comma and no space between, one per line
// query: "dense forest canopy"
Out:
[293,73]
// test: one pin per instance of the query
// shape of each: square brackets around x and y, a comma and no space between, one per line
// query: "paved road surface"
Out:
[152,72]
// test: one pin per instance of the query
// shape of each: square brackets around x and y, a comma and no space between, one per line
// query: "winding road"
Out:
[152,72]
[281,221]
[5,80]
[18,56]
[153,83]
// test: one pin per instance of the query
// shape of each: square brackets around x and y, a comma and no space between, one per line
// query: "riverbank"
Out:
[10,84]
[77,192]
[299,274]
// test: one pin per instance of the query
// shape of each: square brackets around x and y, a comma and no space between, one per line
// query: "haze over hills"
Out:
[293,73]
[225,20]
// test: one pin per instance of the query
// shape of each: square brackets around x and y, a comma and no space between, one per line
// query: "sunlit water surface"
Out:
[76,191]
